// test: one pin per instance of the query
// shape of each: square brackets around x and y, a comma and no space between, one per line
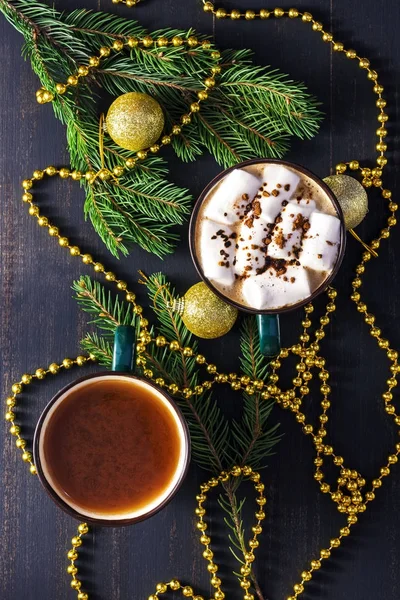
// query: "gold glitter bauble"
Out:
[206,315]
[351,196]
[135,121]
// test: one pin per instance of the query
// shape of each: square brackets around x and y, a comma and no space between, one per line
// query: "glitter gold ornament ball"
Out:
[135,121]
[351,196]
[204,314]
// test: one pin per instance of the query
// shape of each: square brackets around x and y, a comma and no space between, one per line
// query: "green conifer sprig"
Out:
[253,112]
[216,443]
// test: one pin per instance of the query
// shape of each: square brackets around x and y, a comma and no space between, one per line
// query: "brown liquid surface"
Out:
[111,447]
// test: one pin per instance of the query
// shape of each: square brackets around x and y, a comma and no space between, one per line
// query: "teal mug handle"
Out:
[124,354]
[269,334]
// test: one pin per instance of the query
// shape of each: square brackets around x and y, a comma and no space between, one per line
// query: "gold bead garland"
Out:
[349,496]
[44,96]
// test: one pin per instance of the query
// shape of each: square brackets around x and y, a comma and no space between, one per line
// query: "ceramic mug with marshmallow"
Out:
[267,236]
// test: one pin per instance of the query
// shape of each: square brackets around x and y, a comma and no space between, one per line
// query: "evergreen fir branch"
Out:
[215,444]
[252,112]
[254,439]
[99,347]
[107,310]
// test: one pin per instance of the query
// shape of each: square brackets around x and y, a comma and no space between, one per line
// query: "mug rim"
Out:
[101,521]
[192,236]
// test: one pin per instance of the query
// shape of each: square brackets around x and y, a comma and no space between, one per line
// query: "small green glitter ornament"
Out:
[204,313]
[135,121]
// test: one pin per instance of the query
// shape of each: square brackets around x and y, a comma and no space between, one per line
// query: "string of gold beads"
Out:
[16,390]
[371,177]
[72,555]
[129,3]
[349,496]
[147,42]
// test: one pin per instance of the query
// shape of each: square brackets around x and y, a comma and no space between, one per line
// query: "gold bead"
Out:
[15,430]
[34,210]
[61,88]
[364,63]
[9,416]
[317,26]
[187,591]
[249,557]
[293,13]
[338,47]
[219,595]
[118,45]
[83,528]
[174,585]
[130,163]
[174,346]
[27,197]
[40,373]
[279,12]
[177,41]
[27,456]
[94,61]
[16,388]
[264,14]
[351,53]
[83,596]
[106,50]
[141,154]
[27,184]
[63,241]
[67,363]
[249,15]
[74,251]
[221,13]
[245,583]
[341,168]
[208,7]
[76,541]
[260,515]
[166,139]
[53,231]
[161,588]
[98,267]
[73,80]
[235,14]
[298,588]
[76,584]
[325,553]
[215,581]
[327,37]
[83,70]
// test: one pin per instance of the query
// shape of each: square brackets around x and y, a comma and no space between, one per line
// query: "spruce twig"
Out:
[216,445]
[253,112]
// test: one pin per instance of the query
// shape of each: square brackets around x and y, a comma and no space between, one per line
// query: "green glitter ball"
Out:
[205,314]
[351,196]
[135,121]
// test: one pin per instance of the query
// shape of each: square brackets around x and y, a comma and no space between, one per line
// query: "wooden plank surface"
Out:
[40,323]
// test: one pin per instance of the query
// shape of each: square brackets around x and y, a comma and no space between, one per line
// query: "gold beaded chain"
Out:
[350,495]
[43,96]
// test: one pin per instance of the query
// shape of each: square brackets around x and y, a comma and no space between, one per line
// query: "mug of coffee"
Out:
[111,448]
[267,236]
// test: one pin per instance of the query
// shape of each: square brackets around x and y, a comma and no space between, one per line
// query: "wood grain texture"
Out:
[41,323]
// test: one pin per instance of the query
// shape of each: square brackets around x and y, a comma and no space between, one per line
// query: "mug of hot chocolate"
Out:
[267,236]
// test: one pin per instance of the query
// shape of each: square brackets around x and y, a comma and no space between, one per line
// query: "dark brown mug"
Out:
[267,318]
[58,484]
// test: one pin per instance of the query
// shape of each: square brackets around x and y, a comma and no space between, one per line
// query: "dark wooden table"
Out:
[40,323]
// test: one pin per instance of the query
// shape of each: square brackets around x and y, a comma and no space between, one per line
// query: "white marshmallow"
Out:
[268,291]
[227,203]
[321,242]
[286,237]
[276,177]
[250,242]
[211,246]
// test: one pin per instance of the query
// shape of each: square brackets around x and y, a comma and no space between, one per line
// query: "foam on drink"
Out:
[267,236]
